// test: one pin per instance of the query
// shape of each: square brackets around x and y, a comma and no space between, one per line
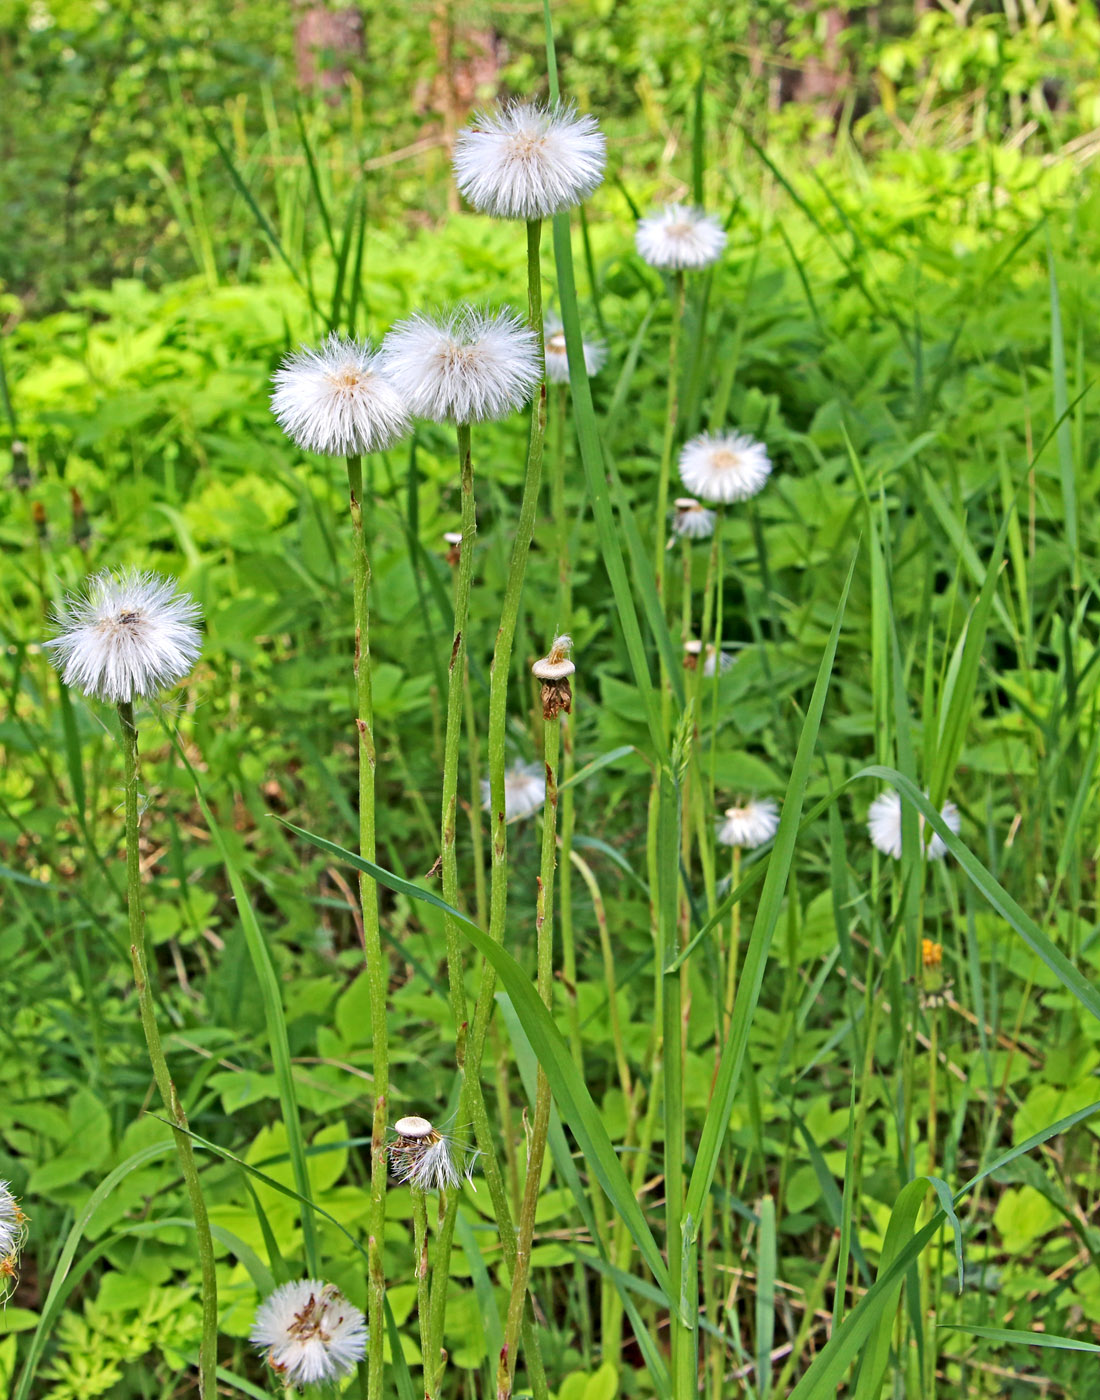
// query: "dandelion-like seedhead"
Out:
[468,366]
[311,1333]
[884,825]
[693,649]
[680,238]
[726,467]
[749,825]
[524,791]
[130,634]
[336,400]
[557,357]
[422,1156]
[13,1235]
[691,520]
[527,161]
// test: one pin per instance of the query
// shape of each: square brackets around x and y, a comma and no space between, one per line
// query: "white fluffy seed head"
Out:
[311,1333]
[130,634]
[691,520]
[13,1226]
[528,161]
[557,357]
[726,467]
[680,238]
[884,826]
[468,366]
[524,791]
[749,825]
[422,1156]
[713,662]
[336,399]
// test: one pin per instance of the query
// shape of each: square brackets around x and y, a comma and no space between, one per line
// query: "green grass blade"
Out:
[1064,432]
[767,916]
[957,701]
[315,179]
[765,1296]
[575,1104]
[1019,1338]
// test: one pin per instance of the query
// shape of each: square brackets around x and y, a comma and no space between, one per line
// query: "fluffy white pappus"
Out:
[557,356]
[524,791]
[884,826]
[130,634]
[750,825]
[713,661]
[469,366]
[336,400]
[692,521]
[12,1225]
[422,1156]
[680,238]
[311,1333]
[724,467]
[528,161]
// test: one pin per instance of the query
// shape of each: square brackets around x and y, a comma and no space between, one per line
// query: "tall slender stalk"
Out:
[471,1100]
[564,616]
[671,415]
[456,677]
[544,926]
[208,1345]
[376,964]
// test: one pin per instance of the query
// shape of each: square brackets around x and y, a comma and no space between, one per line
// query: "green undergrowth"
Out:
[918,348]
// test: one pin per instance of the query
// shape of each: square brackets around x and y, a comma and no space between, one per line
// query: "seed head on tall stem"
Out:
[128,637]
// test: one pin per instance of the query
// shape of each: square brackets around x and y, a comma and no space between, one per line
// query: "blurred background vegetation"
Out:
[110,165]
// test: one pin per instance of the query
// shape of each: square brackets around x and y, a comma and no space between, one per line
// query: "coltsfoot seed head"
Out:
[524,791]
[13,1235]
[557,356]
[130,634]
[468,366]
[311,1333]
[884,826]
[728,467]
[528,161]
[336,400]
[691,520]
[422,1156]
[749,825]
[680,239]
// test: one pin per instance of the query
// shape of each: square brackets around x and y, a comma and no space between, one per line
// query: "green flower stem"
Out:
[376,963]
[477,836]
[565,617]
[208,1345]
[423,1310]
[734,950]
[544,929]
[471,1100]
[455,688]
[498,681]
[610,1303]
[683,1287]
[671,414]
[685,597]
